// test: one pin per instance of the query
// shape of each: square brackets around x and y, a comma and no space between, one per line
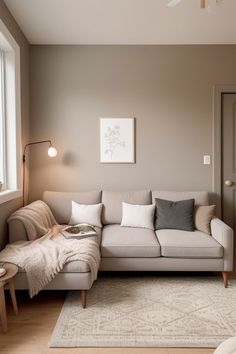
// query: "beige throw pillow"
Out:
[202,217]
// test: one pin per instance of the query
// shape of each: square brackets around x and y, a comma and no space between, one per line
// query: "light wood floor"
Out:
[30,331]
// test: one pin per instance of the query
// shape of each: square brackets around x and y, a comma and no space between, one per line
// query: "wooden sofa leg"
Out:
[84,298]
[225,279]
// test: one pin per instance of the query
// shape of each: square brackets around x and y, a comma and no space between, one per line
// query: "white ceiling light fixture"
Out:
[172,3]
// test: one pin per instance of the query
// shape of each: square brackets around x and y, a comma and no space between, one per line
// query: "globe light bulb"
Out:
[52,152]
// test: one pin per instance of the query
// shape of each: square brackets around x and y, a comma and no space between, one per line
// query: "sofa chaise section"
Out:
[75,275]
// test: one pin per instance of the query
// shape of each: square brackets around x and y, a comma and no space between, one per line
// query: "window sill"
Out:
[7,195]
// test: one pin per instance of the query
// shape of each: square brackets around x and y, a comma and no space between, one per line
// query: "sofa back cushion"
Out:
[60,203]
[112,203]
[201,198]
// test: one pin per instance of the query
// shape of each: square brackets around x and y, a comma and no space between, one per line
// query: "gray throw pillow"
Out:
[174,215]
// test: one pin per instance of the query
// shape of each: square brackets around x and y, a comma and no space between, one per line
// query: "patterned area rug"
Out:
[148,311]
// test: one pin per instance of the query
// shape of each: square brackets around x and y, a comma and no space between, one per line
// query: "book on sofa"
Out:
[79,231]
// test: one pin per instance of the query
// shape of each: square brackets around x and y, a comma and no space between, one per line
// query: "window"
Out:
[2,125]
[10,120]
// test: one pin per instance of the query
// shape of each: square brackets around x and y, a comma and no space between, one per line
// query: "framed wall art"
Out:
[117,140]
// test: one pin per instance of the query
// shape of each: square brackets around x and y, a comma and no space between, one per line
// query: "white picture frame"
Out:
[117,140]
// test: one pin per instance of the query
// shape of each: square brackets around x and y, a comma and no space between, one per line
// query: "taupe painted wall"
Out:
[7,208]
[169,89]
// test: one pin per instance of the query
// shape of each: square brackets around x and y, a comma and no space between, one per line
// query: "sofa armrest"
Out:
[223,234]
[17,231]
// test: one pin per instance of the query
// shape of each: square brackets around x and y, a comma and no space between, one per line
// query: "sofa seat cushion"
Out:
[188,244]
[118,241]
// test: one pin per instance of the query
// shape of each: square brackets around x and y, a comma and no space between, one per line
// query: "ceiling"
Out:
[125,21]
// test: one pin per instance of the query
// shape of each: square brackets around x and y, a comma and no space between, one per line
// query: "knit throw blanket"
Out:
[48,251]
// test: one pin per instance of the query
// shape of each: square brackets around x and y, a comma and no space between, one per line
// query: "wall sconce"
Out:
[52,152]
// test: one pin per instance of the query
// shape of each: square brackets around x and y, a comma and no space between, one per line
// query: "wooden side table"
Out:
[8,278]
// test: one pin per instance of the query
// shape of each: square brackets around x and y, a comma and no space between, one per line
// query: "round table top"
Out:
[11,269]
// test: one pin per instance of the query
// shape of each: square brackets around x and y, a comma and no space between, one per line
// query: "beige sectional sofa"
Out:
[137,249]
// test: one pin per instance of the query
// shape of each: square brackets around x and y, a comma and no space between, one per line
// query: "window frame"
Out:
[2,122]
[12,187]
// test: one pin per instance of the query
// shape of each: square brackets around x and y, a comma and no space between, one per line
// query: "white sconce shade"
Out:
[52,152]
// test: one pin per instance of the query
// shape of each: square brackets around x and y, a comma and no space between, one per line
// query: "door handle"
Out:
[228,183]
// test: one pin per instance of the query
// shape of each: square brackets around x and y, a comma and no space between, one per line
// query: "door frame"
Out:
[219,91]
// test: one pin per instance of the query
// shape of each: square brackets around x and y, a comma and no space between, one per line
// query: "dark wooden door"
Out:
[229,160]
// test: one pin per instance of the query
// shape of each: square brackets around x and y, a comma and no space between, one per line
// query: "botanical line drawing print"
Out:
[113,140]
[117,140]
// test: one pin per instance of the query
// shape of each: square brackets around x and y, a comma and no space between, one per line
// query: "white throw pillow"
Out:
[87,214]
[138,215]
